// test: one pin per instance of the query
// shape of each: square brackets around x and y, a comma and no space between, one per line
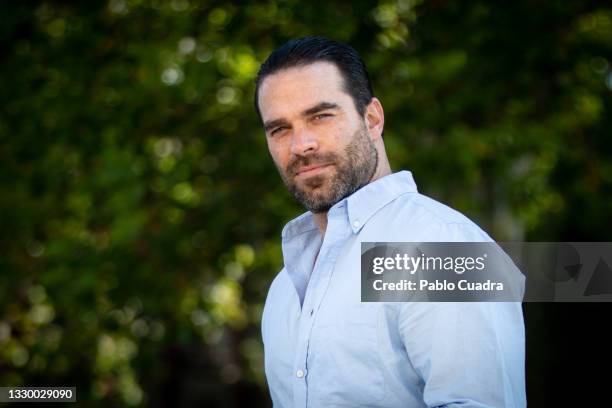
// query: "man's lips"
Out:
[308,170]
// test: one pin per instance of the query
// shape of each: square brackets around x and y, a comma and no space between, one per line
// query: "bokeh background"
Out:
[140,213]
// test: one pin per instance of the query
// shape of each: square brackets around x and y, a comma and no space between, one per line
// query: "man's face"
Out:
[317,139]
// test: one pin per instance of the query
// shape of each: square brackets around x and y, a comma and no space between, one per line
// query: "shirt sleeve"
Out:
[469,354]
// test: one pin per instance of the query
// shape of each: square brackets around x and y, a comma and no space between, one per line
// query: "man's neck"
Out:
[321,221]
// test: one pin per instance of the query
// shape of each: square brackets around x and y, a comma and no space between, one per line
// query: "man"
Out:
[323,346]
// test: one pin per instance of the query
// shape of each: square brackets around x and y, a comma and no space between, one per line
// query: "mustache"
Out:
[315,159]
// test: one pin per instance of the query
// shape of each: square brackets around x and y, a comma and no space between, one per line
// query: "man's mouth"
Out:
[307,171]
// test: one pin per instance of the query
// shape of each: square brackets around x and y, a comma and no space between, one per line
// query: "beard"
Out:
[354,168]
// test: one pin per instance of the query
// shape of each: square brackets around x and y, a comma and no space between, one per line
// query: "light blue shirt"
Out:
[325,348]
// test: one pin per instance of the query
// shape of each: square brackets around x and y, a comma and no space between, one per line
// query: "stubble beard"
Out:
[353,170]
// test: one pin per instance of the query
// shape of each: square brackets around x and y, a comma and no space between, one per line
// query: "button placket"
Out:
[317,288]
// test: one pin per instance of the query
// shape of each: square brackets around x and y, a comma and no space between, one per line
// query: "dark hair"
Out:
[307,50]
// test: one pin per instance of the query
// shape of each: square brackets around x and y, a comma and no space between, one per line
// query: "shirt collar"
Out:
[361,205]
[368,200]
[299,225]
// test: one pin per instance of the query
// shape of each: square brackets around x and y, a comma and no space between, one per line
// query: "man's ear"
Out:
[375,118]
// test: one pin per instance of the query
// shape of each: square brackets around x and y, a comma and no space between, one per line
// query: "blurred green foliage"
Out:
[140,213]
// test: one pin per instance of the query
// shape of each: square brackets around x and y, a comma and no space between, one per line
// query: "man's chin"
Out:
[319,207]
[313,201]
[314,193]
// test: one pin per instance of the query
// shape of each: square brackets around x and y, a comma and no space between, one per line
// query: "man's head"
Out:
[323,125]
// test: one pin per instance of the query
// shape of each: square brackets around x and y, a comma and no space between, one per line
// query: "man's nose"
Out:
[303,142]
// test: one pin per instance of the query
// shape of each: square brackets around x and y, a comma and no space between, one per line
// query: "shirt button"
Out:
[356,223]
[300,374]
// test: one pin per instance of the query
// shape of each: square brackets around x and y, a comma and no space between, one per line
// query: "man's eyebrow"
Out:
[274,123]
[308,112]
[320,107]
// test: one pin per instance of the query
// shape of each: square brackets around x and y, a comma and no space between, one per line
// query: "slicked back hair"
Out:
[308,50]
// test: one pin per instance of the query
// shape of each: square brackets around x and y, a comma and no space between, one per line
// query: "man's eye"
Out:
[322,116]
[278,129]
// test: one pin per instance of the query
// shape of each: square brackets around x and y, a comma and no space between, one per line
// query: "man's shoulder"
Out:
[422,206]
[416,211]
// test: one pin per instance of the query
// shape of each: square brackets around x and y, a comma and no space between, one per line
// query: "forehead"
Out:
[292,90]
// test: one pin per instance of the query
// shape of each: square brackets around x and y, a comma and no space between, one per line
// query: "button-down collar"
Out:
[301,239]
[368,200]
